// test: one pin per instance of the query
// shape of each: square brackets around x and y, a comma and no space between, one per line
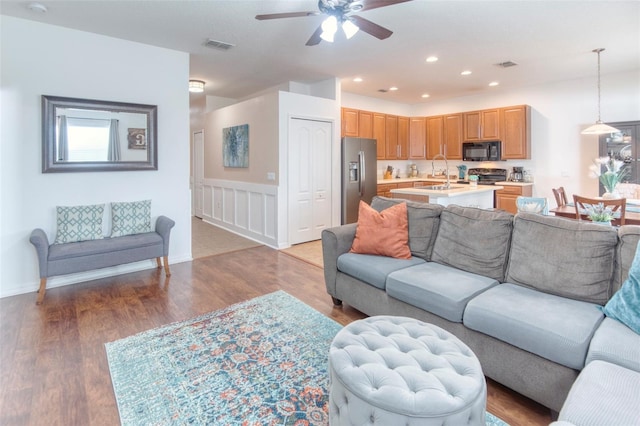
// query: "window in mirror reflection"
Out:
[87,139]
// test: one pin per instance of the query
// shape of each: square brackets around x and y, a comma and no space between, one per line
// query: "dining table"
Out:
[631,217]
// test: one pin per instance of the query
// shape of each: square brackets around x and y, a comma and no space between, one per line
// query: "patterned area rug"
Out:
[259,362]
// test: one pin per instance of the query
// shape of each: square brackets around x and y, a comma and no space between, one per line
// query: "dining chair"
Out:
[617,205]
[561,196]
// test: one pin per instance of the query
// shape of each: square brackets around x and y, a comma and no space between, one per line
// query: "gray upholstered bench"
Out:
[400,371]
[68,258]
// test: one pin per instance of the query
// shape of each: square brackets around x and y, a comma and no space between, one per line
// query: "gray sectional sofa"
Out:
[523,292]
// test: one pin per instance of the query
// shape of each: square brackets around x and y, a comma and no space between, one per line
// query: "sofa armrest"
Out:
[40,241]
[335,241]
[163,227]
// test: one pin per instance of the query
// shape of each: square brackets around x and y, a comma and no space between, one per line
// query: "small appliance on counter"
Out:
[487,176]
[517,175]
[462,170]
[413,171]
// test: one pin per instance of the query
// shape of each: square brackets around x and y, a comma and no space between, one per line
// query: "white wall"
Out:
[42,59]
[560,111]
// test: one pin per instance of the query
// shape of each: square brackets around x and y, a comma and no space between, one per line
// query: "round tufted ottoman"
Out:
[387,370]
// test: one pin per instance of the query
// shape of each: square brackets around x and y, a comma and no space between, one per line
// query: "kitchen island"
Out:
[460,194]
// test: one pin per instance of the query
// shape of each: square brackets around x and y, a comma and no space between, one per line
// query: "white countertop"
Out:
[443,179]
[455,191]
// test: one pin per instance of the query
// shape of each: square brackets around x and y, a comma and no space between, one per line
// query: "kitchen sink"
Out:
[442,187]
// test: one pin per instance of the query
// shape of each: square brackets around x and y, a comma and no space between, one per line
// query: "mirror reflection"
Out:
[87,135]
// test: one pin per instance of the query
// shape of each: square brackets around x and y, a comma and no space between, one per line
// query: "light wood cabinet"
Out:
[417,138]
[516,132]
[482,125]
[380,134]
[403,138]
[391,137]
[384,189]
[365,124]
[435,136]
[453,132]
[350,122]
[506,197]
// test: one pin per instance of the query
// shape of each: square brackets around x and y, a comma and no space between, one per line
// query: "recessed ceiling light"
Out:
[393,88]
[426,95]
[493,83]
[37,7]
[432,59]
[357,79]
[466,72]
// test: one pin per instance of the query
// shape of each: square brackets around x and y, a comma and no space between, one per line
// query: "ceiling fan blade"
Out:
[369,27]
[285,15]
[374,4]
[315,37]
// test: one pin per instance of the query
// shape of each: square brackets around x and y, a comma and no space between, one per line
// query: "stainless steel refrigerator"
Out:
[359,169]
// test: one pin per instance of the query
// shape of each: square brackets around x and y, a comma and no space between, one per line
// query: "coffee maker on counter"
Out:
[517,175]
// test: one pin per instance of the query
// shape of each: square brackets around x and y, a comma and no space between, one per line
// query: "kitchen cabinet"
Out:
[506,197]
[453,132]
[384,189]
[482,125]
[380,134]
[435,136]
[403,138]
[350,122]
[365,124]
[417,138]
[515,132]
[392,151]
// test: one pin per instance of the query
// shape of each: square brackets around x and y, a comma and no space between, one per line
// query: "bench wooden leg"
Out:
[41,290]
[158,262]
[167,271]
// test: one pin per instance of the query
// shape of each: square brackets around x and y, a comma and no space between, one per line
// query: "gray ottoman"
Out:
[390,370]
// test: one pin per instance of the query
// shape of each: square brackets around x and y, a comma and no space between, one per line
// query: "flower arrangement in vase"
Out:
[599,213]
[610,177]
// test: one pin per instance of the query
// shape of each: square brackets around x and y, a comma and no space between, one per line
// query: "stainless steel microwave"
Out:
[482,151]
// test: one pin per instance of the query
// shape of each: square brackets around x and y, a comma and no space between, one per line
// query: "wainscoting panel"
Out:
[246,209]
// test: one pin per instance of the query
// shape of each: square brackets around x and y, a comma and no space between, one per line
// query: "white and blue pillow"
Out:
[624,306]
[78,223]
[130,218]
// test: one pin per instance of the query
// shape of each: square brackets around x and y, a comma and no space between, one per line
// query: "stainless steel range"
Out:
[487,176]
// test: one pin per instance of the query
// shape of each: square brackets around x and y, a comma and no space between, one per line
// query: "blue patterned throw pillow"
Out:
[78,223]
[624,306]
[130,218]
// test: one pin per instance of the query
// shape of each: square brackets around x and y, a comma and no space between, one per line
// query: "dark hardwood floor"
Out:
[53,366]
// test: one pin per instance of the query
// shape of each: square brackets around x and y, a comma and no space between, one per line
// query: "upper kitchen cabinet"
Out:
[380,134]
[515,123]
[417,138]
[403,138]
[365,124]
[453,132]
[444,136]
[350,122]
[482,125]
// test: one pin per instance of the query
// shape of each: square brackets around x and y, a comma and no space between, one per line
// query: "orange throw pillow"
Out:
[385,233]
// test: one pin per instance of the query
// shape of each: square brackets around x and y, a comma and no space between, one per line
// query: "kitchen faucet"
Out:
[446,165]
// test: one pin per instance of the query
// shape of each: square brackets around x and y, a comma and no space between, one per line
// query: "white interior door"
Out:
[309,179]
[198,172]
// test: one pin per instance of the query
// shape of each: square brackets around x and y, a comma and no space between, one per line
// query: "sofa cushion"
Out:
[436,288]
[628,238]
[107,245]
[474,240]
[624,306]
[130,218]
[78,223]
[373,269]
[603,394]
[616,343]
[424,220]
[384,233]
[562,257]
[553,327]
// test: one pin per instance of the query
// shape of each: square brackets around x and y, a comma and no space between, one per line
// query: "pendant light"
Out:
[599,128]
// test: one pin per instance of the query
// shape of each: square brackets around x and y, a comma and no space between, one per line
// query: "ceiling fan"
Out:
[341,13]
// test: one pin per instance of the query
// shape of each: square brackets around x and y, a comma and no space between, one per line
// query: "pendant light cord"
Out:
[598,52]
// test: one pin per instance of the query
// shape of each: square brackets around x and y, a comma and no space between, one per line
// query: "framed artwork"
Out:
[235,146]
[137,138]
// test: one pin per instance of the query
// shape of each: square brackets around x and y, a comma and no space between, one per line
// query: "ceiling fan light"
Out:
[196,86]
[329,28]
[350,29]
[599,128]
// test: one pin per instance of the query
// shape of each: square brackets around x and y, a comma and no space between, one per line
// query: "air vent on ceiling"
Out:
[215,44]
[507,64]
[382,90]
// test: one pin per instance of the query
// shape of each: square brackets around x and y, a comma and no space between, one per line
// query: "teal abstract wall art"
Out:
[235,146]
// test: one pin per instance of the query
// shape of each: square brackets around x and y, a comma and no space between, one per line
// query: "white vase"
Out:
[614,195]
[607,223]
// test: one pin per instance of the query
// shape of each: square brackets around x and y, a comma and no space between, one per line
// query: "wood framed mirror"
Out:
[84,135]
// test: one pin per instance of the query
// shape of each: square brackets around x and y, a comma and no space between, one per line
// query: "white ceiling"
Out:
[549,40]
